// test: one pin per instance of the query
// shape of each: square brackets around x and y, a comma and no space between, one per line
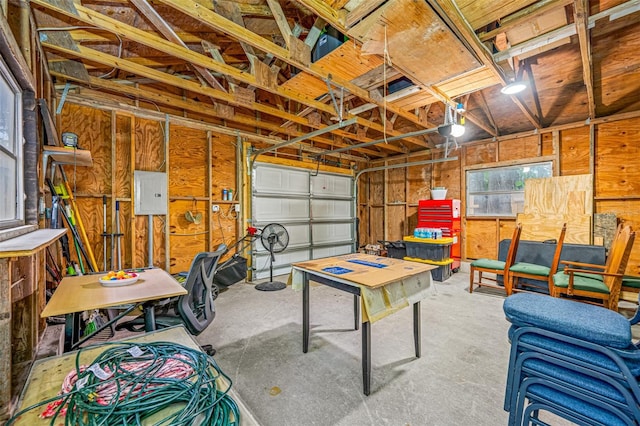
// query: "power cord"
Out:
[128,383]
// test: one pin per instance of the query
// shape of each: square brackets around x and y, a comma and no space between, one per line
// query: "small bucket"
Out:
[438,193]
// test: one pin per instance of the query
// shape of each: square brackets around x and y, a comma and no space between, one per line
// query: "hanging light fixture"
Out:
[517,84]
[513,88]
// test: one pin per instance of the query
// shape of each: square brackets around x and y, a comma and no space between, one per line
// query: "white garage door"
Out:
[316,209]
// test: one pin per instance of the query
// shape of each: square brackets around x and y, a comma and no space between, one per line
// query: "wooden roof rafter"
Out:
[216,21]
[581,18]
[92,17]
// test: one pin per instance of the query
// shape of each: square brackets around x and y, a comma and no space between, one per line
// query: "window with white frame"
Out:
[11,161]
[499,191]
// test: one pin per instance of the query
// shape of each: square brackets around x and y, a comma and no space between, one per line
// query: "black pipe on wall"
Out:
[30,156]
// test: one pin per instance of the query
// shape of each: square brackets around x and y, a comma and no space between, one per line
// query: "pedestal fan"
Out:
[275,238]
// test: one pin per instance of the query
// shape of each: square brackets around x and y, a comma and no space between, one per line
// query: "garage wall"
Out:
[315,208]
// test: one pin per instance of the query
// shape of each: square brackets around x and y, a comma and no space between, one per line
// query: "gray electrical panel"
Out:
[150,193]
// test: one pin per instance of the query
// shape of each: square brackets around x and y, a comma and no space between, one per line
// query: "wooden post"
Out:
[5,335]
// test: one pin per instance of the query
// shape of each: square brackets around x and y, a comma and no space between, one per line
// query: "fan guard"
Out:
[275,238]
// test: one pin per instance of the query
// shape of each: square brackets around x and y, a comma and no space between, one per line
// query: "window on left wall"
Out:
[11,154]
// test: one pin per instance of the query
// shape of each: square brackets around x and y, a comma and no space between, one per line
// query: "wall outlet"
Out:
[236,207]
[215,208]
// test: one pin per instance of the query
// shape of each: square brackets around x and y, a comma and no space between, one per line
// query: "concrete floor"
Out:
[459,379]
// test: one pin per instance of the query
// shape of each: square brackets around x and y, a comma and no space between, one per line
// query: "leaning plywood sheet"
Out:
[432,43]
[541,227]
[559,195]
[346,62]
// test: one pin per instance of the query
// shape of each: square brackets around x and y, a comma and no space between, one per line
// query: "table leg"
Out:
[356,311]
[149,317]
[71,332]
[416,328]
[305,312]
[366,357]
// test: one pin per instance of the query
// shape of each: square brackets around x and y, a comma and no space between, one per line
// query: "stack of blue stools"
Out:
[571,359]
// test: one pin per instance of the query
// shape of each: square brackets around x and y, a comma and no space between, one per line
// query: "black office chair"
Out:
[195,309]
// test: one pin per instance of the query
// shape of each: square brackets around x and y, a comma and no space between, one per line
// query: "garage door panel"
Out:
[270,209]
[319,252]
[331,232]
[331,209]
[280,180]
[331,185]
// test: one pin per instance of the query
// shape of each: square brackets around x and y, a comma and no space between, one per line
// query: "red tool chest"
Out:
[443,214]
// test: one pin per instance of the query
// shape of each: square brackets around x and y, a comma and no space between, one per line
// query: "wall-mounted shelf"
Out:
[61,155]
[28,244]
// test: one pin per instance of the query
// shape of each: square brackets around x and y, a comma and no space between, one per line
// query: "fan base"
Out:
[270,286]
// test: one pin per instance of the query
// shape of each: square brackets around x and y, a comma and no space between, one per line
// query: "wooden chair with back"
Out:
[597,282]
[537,272]
[497,267]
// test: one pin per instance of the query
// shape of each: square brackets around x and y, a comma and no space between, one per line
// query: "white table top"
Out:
[82,293]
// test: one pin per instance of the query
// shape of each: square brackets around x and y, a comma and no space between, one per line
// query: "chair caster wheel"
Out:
[208,350]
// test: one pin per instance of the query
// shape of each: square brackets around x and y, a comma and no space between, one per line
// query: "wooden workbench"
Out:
[47,374]
[22,288]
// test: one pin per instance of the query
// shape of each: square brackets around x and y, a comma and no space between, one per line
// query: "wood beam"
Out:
[485,107]
[281,21]
[334,17]
[361,11]
[219,23]
[162,98]
[581,18]
[165,29]
[94,18]
[534,91]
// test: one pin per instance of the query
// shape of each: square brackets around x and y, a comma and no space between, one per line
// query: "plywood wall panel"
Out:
[396,183]
[188,172]
[575,151]
[376,227]
[547,144]
[376,188]
[480,154]
[481,239]
[419,181]
[363,225]
[186,238]
[396,223]
[616,145]
[123,157]
[223,164]
[627,212]
[447,174]
[149,139]
[516,149]
[93,128]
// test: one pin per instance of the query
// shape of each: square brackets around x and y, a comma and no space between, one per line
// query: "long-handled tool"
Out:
[104,233]
[118,235]
[64,240]
[79,224]
[74,231]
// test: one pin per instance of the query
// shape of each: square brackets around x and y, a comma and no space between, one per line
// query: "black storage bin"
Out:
[428,251]
[231,271]
[443,273]
[395,249]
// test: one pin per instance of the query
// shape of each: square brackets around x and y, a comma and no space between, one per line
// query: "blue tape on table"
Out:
[367,263]
[337,270]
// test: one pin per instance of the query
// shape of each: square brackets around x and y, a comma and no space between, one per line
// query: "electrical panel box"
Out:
[150,193]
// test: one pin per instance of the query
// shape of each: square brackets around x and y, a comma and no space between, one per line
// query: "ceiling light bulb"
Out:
[513,88]
[457,130]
